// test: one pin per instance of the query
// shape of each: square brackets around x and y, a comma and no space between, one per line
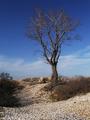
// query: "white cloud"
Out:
[77,63]
[20,68]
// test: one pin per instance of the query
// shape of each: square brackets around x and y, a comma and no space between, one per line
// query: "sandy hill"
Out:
[37,105]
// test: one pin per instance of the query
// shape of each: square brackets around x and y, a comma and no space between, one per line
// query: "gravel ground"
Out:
[77,108]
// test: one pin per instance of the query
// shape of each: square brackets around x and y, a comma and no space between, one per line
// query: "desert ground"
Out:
[36,104]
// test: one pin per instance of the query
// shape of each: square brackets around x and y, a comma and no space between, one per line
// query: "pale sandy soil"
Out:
[77,108]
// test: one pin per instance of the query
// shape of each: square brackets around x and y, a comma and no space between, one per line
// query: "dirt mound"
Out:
[33,94]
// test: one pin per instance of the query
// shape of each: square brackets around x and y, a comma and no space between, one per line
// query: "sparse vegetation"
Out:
[65,89]
[36,80]
[8,87]
[78,86]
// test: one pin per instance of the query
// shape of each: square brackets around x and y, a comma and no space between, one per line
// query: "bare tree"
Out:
[51,30]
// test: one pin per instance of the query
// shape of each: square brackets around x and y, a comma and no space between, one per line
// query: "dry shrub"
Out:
[70,89]
[36,80]
[31,81]
[7,92]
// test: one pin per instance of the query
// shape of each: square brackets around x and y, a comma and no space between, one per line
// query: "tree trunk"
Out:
[54,77]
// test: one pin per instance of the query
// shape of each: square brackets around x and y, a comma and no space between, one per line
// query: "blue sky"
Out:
[18,54]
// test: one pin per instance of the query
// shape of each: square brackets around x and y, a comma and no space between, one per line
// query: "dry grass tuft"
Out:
[70,89]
